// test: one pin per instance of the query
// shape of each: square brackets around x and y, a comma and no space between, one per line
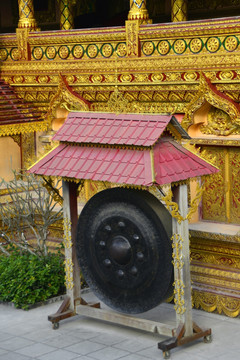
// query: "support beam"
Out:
[181,256]
[70,214]
[26,15]
[178,10]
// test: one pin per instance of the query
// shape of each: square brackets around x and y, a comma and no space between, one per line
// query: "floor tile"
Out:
[58,355]
[15,343]
[36,350]
[109,353]
[85,347]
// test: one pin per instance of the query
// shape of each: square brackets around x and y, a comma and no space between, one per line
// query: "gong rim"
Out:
[124,251]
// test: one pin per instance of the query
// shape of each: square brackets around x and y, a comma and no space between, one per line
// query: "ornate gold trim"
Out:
[207,94]
[210,302]
[14,129]
[65,97]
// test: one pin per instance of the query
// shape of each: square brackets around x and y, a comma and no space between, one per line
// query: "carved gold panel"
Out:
[221,198]
[214,199]
[234,168]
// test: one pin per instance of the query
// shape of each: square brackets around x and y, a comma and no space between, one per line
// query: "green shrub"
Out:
[26,279]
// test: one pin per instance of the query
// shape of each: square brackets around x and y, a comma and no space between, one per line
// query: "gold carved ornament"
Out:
[179,297]
[69,274]
[173,206]
[219,123]
[26,14]
[132,39]
[15,129]
[230,306]
[67,233]
[224,117]
[66,98]
[177,251]
[138,11]
[23,45]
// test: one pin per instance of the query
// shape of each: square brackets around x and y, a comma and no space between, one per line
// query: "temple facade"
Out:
[179,57]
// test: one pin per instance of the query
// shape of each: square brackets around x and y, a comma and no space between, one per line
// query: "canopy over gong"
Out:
[132,149]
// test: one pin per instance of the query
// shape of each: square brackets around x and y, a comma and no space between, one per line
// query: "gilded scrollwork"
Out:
[177,244]
[213,201]
[67,233]
[179,297]
[69,274]
[234,168]
[132,40]
[210,302]
[218,123]
[65,95]
[224,116]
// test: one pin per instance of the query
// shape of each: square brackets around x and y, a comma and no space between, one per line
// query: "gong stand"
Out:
[185,331]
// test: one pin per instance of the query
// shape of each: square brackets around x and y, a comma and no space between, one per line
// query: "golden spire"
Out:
[179,10]
[138,11]
[26,15]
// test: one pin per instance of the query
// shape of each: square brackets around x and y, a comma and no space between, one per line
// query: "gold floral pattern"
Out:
[213,44]
[179,46]
[196,45]
[231,43]
[92,51]
[107,50]
[78,51]
[148,48]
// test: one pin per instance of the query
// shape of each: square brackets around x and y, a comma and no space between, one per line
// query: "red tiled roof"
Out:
[100,164]
[172,163]
[14,110]
[113,129]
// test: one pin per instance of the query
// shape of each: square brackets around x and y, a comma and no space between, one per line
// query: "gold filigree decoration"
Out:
[230,306]
[219,123]
[179,297]
[23,46]
[132,40]
[117,103]
[69,274]
[177,251]
[67,233]
[65,95]
[174,208]
[14,129]
[231,43]
[207,93]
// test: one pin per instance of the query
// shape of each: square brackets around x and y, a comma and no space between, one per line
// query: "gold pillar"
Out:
[179,10]
[138,11]
[66,15]
[26,15]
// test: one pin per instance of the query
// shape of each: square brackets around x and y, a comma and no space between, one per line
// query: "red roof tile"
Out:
[100,164]
[172,163]
[14,110]
[112,129]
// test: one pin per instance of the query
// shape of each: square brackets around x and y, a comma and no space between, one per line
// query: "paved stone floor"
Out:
[26,335]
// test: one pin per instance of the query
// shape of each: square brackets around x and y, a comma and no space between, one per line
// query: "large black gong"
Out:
[124,249]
